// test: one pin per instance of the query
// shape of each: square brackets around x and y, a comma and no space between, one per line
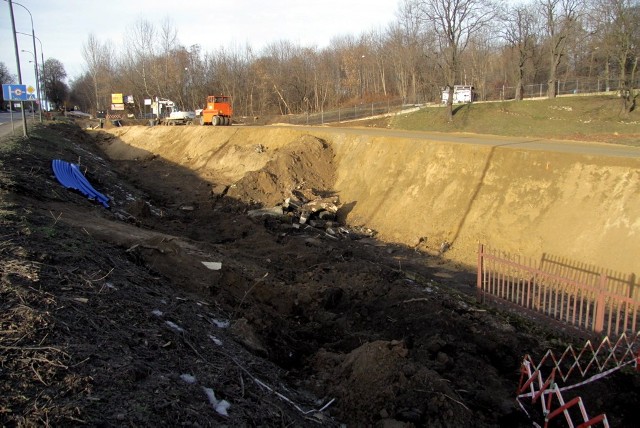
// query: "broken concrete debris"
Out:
[306,209]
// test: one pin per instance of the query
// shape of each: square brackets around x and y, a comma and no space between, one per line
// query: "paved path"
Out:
[562,146]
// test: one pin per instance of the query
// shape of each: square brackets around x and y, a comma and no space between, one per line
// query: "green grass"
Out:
[586,118]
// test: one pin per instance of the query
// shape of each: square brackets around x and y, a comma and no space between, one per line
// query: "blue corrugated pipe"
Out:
[69,175]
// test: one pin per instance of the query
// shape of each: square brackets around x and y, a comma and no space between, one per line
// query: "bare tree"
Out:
[171,64]
[408,47]
[139,54]
[432,43]
[560,20]
[5,78]
[454,22]
[57,89]
[97,56]
[617,23]
[520,29]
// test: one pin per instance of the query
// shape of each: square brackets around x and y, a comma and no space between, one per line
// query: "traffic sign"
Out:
[15,92]
[31,93]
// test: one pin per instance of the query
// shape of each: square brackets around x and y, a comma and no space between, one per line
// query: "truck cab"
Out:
[218,111]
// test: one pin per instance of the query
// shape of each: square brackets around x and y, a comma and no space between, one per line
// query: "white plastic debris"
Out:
[221,324]
[215,340]
[174,326]
[187,378]
[157,312]
[213,265]
[219,406]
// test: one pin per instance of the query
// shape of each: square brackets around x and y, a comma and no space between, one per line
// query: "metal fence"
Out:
[603,306]
[564,87]
[575,86]
[344,114]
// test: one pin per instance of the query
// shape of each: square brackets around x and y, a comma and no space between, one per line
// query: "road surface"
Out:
[6,126]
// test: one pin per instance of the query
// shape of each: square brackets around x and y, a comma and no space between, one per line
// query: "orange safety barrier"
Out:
[597,363]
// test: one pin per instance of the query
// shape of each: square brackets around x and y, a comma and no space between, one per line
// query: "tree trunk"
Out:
[551,90]
[450,104]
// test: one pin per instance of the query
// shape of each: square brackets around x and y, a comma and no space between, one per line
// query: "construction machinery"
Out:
[164,112]
[179,118]
[217,112]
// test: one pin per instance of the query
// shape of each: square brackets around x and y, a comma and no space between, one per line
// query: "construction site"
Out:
[312,276]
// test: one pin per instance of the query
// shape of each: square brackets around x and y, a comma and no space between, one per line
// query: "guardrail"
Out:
[597,307]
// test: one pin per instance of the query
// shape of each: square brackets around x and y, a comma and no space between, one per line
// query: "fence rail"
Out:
[591,306]
[357,111]
[574,86]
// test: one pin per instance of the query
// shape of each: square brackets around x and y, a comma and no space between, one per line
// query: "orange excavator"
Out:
[218,111]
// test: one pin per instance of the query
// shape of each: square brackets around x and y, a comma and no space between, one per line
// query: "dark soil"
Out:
[108,317]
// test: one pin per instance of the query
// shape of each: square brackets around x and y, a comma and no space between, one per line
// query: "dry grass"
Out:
[593,118]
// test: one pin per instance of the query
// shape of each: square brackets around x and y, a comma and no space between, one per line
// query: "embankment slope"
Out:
[579,201]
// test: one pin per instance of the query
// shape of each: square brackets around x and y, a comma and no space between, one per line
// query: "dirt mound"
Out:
[306,163]
[377,381]
[174,305]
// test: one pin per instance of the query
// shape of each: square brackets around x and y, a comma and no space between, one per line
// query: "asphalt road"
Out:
[6,128]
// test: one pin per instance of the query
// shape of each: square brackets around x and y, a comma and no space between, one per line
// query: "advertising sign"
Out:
[117,106]
[116,99]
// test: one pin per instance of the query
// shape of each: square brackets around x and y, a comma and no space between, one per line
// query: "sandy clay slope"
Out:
[579,201]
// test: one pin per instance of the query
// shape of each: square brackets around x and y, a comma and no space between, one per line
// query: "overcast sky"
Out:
[64,25]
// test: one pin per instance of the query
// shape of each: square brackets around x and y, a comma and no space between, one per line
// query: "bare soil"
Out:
[108,317]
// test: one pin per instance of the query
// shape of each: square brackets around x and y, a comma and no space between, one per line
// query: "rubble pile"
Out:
[305,210]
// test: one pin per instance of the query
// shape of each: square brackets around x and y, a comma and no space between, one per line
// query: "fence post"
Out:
[598,323]
[480,271]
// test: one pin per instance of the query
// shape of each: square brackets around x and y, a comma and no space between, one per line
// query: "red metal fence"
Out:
[579,296]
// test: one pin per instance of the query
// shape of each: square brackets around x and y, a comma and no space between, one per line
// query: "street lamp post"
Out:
[35,52]
[43,86]
[15,44]
[35,71]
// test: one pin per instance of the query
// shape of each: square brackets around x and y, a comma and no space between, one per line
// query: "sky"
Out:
[63,26]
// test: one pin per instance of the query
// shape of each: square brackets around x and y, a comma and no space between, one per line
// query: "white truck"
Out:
[165,112]
[179,118]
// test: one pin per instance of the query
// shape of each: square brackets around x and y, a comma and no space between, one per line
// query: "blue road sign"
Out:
[15,92]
